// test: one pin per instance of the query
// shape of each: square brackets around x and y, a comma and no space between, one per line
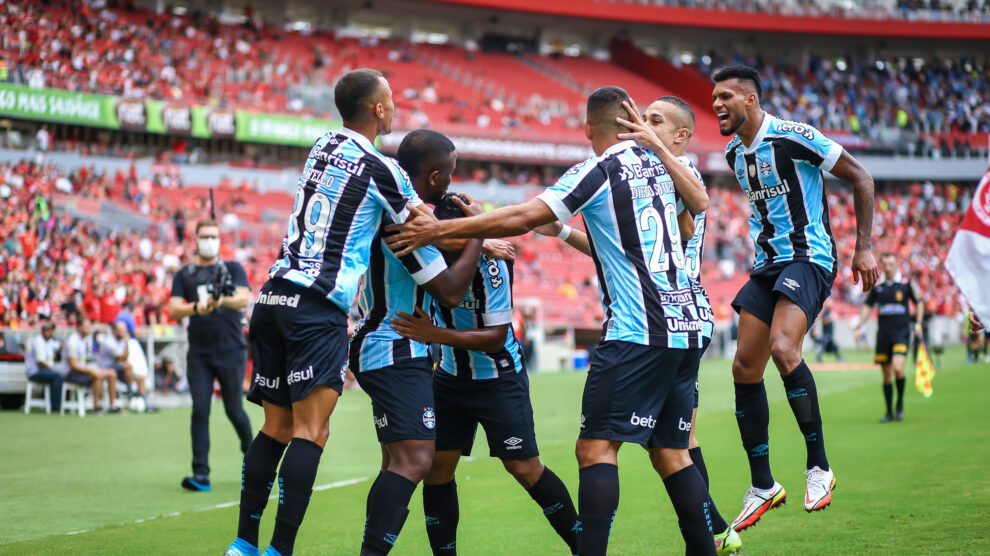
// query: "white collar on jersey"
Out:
[760,134]
[619,147]
[360,139]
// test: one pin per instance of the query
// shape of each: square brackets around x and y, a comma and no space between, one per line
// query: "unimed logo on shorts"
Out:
[647,421]
[296,376]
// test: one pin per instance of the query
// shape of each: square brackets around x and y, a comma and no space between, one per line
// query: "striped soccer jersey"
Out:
[488,303]
[781,173]
[694,248]
[629,207]
[346,189]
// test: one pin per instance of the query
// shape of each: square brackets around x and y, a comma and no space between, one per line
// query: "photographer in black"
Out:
[212,293]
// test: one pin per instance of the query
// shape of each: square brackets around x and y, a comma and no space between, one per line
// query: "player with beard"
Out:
[779,166]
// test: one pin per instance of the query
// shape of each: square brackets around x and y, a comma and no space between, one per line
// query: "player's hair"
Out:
[744,73]
[206,223]
[888,254]
[679,103]
[354,90]
[447,210]
[421,147]
[605,104]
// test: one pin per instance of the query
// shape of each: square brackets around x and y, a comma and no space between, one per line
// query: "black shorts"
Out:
[806,284]
[891,342]
[119,369]
[402,400]
[299,341]
[500,404]
[76,377]
[639,394]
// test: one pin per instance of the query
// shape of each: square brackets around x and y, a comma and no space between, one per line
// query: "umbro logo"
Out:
[791,283]
[513,443]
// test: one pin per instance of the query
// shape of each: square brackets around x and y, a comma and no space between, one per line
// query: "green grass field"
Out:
[916,487]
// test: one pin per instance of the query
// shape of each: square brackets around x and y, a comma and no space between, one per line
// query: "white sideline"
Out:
[327,486]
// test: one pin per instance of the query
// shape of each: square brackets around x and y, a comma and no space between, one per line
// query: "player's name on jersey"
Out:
[337,161]
[769,192]
[645,191]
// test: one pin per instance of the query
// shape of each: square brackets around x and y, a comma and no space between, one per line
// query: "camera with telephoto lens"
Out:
[222,284]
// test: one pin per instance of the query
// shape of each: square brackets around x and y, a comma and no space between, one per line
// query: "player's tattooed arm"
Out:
[864,264]
[688,186]
[420,327]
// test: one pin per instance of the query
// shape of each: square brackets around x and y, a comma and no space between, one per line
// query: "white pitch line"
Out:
[327,486]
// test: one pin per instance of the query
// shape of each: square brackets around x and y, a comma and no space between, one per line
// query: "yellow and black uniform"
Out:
[893,318]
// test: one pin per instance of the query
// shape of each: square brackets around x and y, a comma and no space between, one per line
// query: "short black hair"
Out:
[679,103]
[420,147]
[744,73]
[447,210]
[353,90]
[605,104]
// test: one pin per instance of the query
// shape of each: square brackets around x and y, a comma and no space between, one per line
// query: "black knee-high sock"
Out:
[689,496]
[598,499]
[295,486]
[552,496]
[367,504]
[888,398]
[900,393]
[257,476]
[718,522]
[389,507]
[803,397]
[753,418]
[442,513]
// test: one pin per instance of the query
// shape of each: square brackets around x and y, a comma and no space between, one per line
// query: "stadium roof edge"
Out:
[741,21]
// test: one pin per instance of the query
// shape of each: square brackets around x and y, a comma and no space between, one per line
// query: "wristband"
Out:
[565,232]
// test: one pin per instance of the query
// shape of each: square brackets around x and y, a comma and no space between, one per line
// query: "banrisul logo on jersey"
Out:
[429,418]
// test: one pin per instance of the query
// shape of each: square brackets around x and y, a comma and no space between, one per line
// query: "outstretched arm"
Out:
[575,238]
[504,222]
[864,264]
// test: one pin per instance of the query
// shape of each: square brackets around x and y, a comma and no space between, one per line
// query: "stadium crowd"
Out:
[874,9]
[52,265]
[196,59]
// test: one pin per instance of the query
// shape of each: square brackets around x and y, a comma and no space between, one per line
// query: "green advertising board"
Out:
[156,116]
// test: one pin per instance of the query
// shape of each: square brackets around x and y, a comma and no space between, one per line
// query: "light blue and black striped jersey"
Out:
[391,285]
[345,189]
[694,248]
[629,207]
[781,173]
[488,303]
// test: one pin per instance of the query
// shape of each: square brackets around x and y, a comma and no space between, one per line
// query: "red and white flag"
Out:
[969,257]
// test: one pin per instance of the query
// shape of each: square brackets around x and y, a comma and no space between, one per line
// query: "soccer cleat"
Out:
[820,486]
[727,542]
[200,483]
[756,503]
[900,415]
[272,552]
[887,417]
[241,547]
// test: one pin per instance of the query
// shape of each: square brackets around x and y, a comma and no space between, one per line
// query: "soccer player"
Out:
[481,377]
[779,166]
[640,387]
[891,298]
[299,324]
[665,129]
[395,371]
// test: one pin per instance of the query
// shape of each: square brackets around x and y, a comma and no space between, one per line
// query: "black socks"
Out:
[295,486]
[257,476]
[803,397]
[753,418]
[442,513]
[388,507]
[689,495]
[598,499]
[718,522]
[900,393]
[888,398]
[552,496]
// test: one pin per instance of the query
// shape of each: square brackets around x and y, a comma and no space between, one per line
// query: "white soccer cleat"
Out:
[819,492]
[758,502]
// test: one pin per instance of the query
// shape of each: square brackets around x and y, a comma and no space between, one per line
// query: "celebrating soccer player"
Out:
[891,298]
[640,387]
[481,378]
[299,325]
[779,166]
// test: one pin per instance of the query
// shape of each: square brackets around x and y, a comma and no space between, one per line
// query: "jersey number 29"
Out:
[659,259]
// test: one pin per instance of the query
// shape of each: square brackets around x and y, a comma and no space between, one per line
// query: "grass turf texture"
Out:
[915,487]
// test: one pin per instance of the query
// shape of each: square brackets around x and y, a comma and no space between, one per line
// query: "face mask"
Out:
[208,248]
